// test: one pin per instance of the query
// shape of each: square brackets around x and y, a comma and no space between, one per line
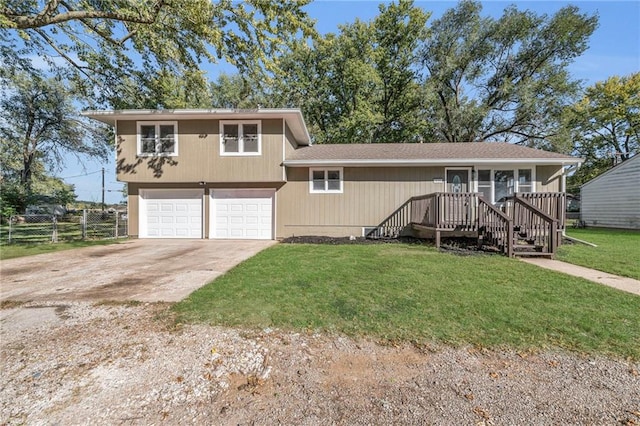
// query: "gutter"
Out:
[432,162]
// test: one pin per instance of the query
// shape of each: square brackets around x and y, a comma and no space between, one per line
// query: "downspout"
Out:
[565,172]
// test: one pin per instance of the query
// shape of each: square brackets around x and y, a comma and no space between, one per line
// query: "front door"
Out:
[457,180]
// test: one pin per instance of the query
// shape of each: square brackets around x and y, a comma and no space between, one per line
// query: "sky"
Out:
[614,49]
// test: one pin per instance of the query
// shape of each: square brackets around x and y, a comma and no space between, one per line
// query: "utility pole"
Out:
[103,189]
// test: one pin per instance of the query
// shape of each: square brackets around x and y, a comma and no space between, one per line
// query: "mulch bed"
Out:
[459,246]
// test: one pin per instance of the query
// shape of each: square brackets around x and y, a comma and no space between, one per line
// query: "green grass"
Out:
[414,293]
[618,251]
[9,251]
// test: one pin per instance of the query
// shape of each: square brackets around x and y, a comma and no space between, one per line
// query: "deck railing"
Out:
[446,211]
[553,204]
[395,223]
[494,227]
[534,218]
[533,224]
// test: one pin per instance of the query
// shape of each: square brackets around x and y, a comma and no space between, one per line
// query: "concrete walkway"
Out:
[621,283]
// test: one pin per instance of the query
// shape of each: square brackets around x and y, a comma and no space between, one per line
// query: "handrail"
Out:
[495,226]
[394,223]
[532,227]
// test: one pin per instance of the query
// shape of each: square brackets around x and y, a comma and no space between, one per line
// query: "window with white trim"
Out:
[157,138]
[484,184]
[325,180]
[497,184]
[524,180]
[240,138]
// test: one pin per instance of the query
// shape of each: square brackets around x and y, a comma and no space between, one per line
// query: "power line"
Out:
[86,174]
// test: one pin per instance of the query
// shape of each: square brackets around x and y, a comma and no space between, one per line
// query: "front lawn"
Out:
[414,293]
[618,251]
[9,251]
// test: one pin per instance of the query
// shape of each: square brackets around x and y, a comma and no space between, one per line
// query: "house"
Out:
[613,199]
[255,174]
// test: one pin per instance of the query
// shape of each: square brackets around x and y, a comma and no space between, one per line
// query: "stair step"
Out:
[532,254]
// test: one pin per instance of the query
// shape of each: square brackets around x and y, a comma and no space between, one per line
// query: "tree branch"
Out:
[46,17]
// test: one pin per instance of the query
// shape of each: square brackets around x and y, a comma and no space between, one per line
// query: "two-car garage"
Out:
[232,213]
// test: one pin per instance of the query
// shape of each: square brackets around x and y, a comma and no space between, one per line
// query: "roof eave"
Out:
[292,116]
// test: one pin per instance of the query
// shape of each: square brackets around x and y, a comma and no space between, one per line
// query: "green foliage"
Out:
[236,91]
[463,77]
[360,85]
[504,78]
[38,126]
[605,124]
[111,43]
[414,293]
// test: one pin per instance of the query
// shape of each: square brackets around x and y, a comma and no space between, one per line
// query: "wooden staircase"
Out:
[524,226]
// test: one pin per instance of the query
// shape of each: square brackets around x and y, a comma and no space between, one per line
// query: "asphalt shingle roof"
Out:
[424,151]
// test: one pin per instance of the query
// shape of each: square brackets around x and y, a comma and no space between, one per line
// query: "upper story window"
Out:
[157,138]
[325,180]
[240,138]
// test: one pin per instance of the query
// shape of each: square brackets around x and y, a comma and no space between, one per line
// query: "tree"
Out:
[237,91]
[102,43]
[605,125]
[360,85]
[38,125]
[501,79]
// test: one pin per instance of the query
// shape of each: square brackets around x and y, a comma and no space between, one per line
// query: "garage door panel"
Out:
[242,214]
[171,214]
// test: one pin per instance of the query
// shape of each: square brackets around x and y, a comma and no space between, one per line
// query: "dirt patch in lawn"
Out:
[131,364]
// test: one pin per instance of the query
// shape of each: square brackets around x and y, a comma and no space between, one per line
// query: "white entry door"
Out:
[171,213]
[242,214]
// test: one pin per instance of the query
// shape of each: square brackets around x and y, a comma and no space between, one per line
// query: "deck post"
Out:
[510,239]
[437,238]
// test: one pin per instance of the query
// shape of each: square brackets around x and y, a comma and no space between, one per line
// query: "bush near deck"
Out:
[398,292]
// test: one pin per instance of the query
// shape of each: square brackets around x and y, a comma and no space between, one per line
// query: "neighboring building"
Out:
[612,200]
[255,174]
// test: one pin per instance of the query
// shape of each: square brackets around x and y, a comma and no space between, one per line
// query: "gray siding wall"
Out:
[613,199]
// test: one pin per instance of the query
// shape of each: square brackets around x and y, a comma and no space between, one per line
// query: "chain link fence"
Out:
[80,225]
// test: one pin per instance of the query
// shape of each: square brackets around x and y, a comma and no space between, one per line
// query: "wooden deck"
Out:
[527,224]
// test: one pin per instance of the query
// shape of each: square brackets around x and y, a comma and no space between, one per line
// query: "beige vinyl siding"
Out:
[370,195]
[290,141]
[613,199]
[548,178]
[198,158]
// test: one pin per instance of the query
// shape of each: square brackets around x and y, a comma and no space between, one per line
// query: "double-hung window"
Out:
[157,138]
[325,180]
[240,138]
[524,180]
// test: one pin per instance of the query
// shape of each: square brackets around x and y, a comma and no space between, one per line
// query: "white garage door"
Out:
[175,213]
[242,214]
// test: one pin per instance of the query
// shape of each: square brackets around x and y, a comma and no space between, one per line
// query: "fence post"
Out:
[11,218]
[54,233]
[117,214]
[84,224]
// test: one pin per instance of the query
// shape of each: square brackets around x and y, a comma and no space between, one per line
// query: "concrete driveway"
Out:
[143,270]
